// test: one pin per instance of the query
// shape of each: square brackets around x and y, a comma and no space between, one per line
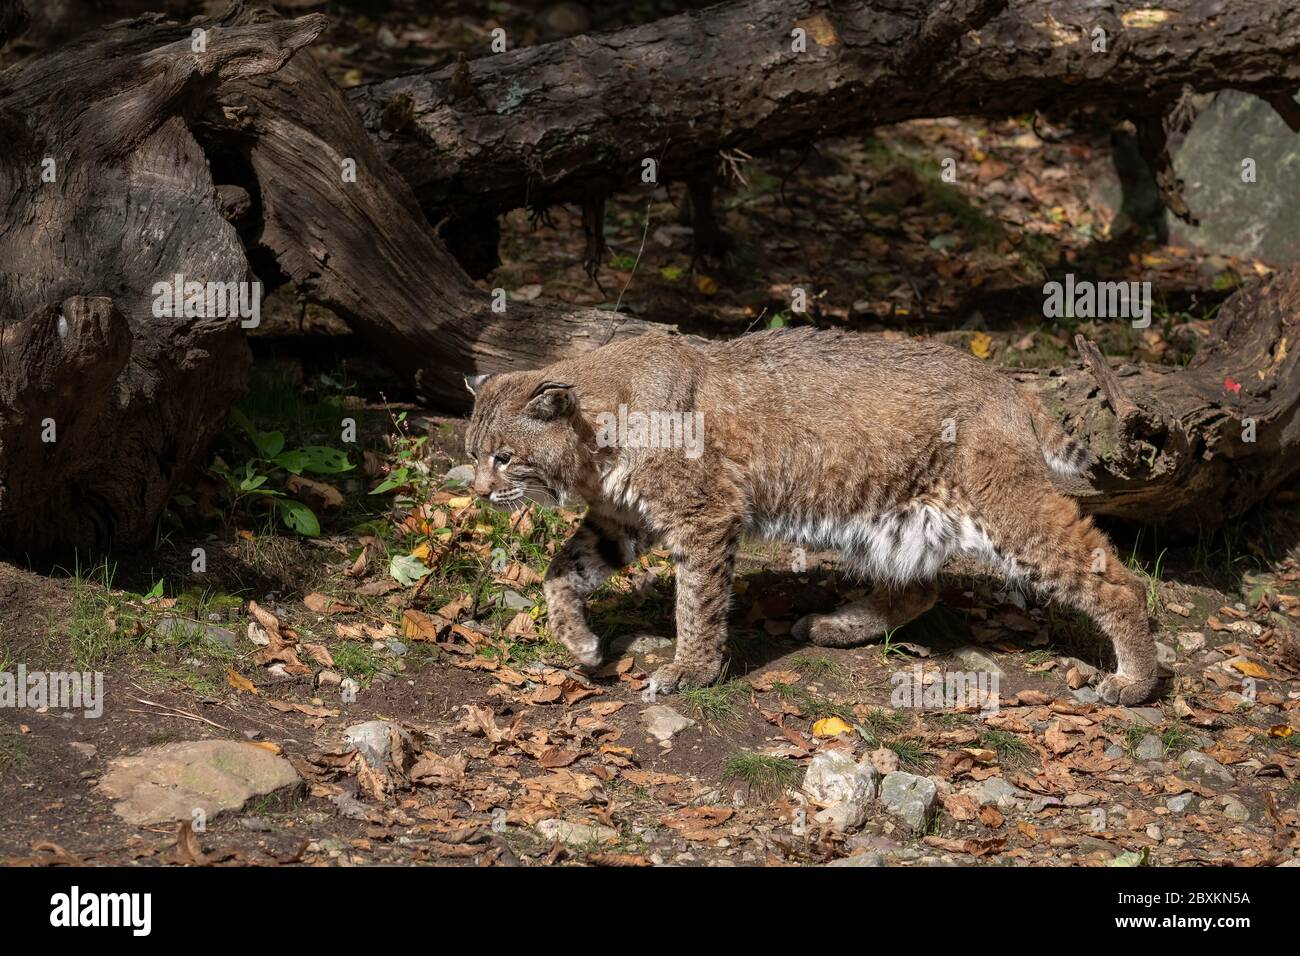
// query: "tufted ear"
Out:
[476,382]
[551,400]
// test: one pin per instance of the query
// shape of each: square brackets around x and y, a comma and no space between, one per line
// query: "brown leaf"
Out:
[418,626]
[559,757]
[239,681]
[324,604]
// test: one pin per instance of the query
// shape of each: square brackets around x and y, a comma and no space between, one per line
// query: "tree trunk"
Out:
[360,245]
[1191,447]
[564,121]
[103,402]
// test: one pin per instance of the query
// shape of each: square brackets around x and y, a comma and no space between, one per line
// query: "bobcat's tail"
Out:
[1063,454]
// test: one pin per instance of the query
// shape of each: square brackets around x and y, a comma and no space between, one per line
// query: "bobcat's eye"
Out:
[501,459]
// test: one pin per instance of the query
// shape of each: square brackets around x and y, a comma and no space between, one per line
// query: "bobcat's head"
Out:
[525,438]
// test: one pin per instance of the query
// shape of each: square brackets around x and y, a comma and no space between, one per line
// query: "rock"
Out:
[1151,716]
[328,678]
[860,859]
[997,791]
[975,659]
[180,629]
[1086,671]
[86,750]
[910,797]
[396,647]
[516,601]
[1079,799]
[1149,747]
[169,782]
[462,473]
[639,644]
[664,723]
[576,834]
[256,824]
[884,760]
[1166,657]
[1155,833]
[374,739]
[1191,641]
[842,786]
[1205,770]
[1113,751]
[1085,695]
[1234,809]
[1180,803]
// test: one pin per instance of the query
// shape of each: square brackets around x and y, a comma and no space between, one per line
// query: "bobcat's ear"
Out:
[475,382]
[551,400]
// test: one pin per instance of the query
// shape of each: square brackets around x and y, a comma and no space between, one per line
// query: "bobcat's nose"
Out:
[482,487]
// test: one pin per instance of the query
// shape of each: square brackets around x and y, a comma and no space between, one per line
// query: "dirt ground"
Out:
[432,606]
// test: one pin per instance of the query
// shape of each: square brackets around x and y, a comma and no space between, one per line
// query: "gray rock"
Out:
[463,473]
[1085,695]
[1166,657]
[1151,716]
[516,601]
[1205,770]
[640,644]
[1149,747]
[1191,641]
[1113,751]
[180,629]
[997,791]
[397,647]
[972,658]
[842,786]
[1234,809]
[374,739]
[664,723]
[910,797]
[576,834]
[86,750]
[1086,670]
[169,782]
[859,859]
[1180,803]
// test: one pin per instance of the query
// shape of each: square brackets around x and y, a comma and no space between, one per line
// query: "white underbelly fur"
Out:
[910,543]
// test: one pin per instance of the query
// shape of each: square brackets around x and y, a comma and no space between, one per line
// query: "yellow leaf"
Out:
[239,681]
[830,727]
[463,501]
[1251,669]
[1280,730]
[268,745]
[706,285]
[980,344]
[421,553]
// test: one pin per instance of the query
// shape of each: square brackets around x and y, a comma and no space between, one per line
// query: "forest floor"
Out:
[417,607]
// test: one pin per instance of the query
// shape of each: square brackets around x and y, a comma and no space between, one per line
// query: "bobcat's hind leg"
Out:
[1049,542]
[871,617]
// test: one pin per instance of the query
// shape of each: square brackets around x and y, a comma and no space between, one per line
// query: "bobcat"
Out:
[897,454]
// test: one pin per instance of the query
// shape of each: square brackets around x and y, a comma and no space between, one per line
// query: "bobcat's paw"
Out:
[1115,689]
[678,677]
[585,647]
[826,630]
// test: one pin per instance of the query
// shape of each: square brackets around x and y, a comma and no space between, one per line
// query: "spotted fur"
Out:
[897,454]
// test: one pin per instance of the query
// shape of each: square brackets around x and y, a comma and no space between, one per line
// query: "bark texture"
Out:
[1195,446]
[101,402]
[566,120]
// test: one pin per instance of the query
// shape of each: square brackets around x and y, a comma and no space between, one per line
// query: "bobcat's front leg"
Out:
[595,551]
[706,561]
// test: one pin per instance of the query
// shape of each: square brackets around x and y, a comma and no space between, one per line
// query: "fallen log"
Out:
[102,400]
[1196,446]
[572,120]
